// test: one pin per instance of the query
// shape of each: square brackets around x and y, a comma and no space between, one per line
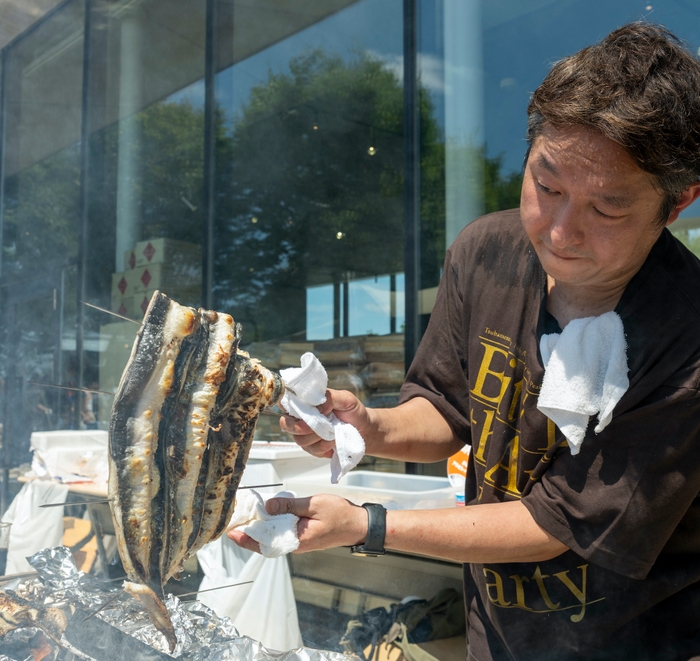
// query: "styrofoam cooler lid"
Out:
[271,451]
[83,439]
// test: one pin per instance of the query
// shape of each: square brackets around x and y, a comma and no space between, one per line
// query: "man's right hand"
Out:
[412,431]
[345,406]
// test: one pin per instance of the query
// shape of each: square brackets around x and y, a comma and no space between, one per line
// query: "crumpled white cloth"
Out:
[276,533]
[309,383]
[33,527]
[585,374]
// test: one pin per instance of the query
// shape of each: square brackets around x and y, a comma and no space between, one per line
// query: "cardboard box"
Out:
[135,306]
[267,353]
[165,277]
[191,297]
[166,251]
[291,353]
[129,260]
[75,533]
[384,375]
[119,338]
[125,306]
[445,649]
[346,378]
[123,283]
[384,348]
[340,351]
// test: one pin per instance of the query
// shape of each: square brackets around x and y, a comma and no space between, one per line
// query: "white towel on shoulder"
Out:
[585,374]
[309,383]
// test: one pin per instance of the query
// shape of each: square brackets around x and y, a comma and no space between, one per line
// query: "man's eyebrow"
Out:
[614,200]
[544,163]
[617,201]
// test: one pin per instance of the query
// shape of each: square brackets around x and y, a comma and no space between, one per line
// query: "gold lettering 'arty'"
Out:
[529,593]
[580,594]
[498,598]
[539,577]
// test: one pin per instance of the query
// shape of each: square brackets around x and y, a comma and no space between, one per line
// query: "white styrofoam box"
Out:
[256,474]
[70,455]
[288,460]
[69,439]
[393,490]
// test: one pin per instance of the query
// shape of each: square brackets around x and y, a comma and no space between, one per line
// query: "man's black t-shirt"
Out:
[629,587]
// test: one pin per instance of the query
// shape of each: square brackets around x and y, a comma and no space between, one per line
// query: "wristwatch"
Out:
[376,531]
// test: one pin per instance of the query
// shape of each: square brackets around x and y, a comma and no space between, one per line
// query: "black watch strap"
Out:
[376,531]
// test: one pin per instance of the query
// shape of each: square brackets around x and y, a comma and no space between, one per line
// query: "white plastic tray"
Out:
[393,490]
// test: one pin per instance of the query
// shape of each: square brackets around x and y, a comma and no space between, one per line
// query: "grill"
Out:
[53,617]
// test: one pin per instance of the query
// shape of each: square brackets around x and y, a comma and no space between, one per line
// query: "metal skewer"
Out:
[106,603]
[266,411]
[55,385]
[261,486]
[11,577]
[179,596]
[114,314]
[97,501]
[219,587]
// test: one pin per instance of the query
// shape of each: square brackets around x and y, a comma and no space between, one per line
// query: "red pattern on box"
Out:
[149,251]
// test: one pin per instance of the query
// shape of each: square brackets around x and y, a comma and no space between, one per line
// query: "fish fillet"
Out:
[181,428]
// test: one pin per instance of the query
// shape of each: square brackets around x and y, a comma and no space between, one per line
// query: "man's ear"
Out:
[688,196]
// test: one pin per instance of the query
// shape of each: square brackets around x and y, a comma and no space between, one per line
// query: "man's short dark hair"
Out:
[640,87]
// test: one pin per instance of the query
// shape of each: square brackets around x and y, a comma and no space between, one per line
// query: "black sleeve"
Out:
[439,370]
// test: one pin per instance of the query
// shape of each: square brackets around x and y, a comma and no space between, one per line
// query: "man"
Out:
[592,556]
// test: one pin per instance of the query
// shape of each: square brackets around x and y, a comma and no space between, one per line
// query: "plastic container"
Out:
[286,460]
[393,490]
[457,472]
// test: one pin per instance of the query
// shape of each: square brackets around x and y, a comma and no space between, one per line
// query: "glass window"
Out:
[145,178]
[269,184]
[41,222]
[309,191]
[479,63]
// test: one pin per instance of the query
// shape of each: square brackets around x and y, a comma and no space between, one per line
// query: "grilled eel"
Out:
[180,432]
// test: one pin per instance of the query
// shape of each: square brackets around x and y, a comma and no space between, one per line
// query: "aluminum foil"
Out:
[201,634]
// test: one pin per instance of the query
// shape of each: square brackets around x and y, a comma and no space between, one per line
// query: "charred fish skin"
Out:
[138,372]
[222,454]
[172,443]
[172,427]
[135,468]
[253,387]
[203,390]
[257,389]
[220,459]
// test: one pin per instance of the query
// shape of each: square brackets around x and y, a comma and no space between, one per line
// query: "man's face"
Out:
[590,212]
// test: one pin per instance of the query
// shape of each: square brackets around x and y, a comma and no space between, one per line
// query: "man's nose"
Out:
[565,229]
